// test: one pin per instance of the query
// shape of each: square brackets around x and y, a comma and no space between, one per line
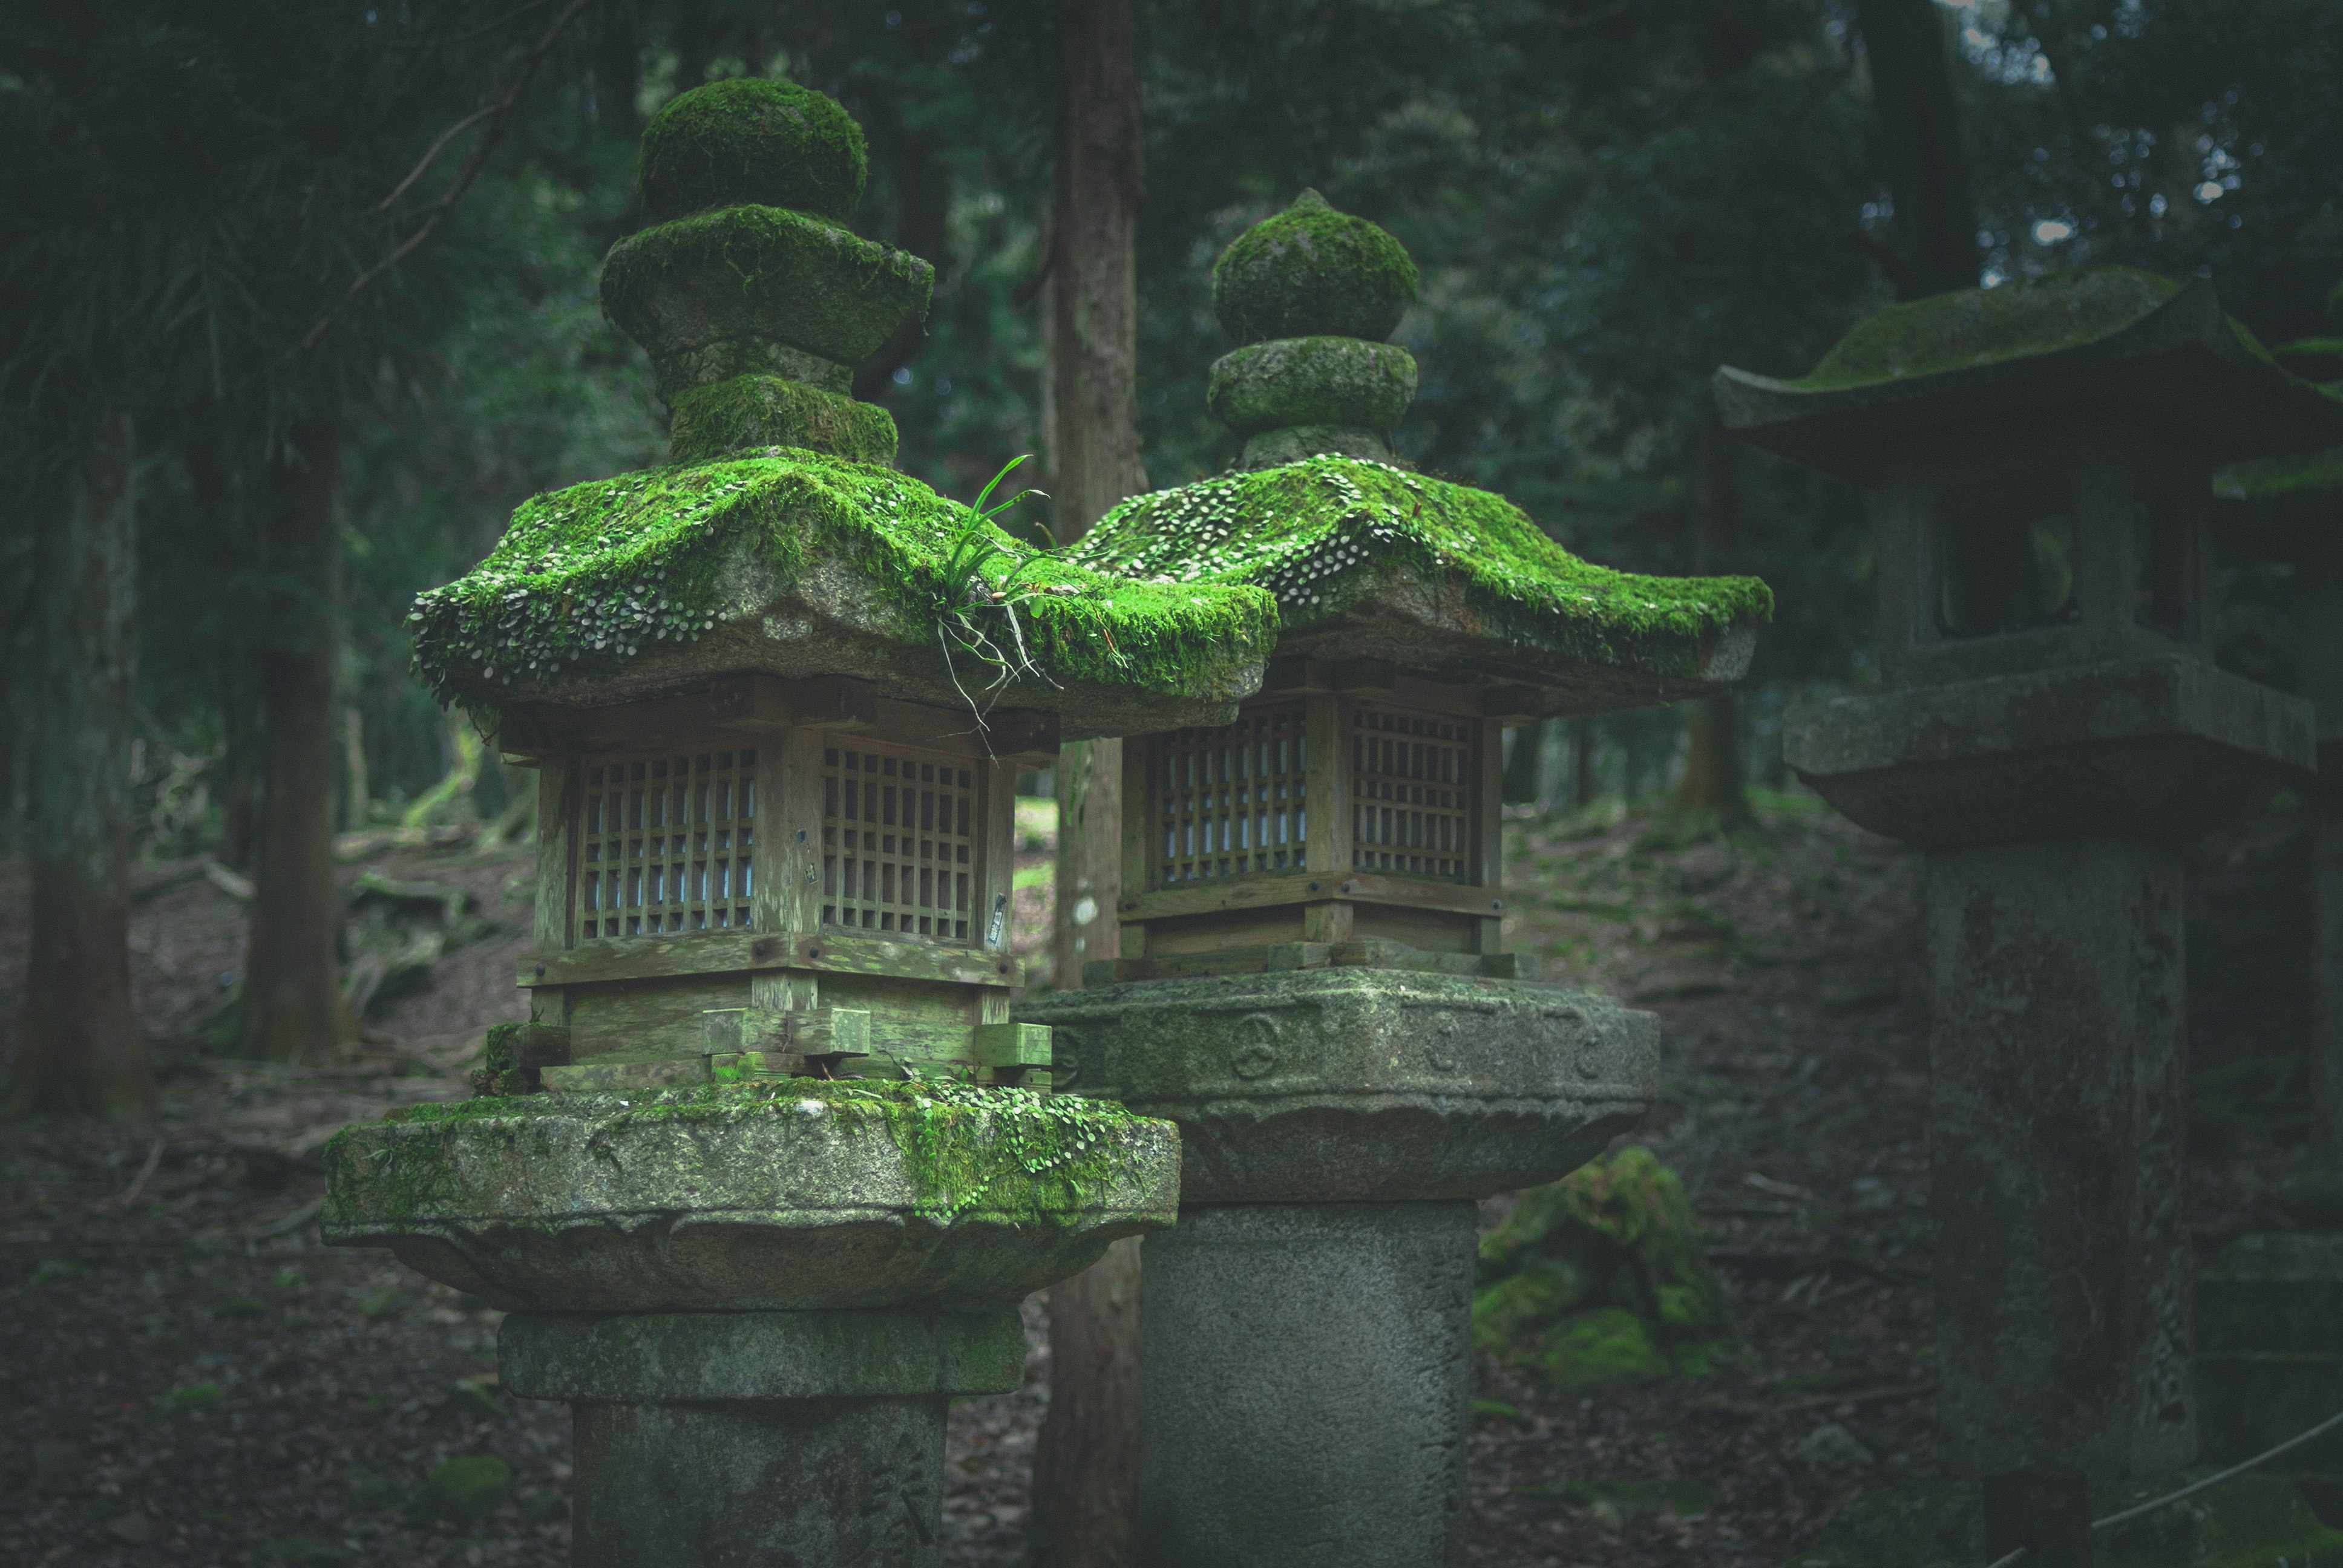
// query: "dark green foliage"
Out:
[1599,1278]
[1310,271]
[466,1489]
[752,139]
[729,417]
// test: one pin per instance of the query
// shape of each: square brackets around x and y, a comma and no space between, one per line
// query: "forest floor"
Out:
[189,1377]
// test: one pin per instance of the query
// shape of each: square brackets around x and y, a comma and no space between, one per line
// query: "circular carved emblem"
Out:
[1253,1046]
[1440,1050]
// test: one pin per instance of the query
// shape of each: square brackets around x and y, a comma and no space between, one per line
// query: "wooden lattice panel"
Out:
[1411,783]
[665,844]
[1229,800]
[899,843]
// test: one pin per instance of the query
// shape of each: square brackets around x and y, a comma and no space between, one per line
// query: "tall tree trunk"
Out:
[1918,123]
[1086,1461]
[1581,763]
[1714,772]
[292,1005]
[80,1050]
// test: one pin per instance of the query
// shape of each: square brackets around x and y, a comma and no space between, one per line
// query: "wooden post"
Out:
[1488,855]
[1327,790]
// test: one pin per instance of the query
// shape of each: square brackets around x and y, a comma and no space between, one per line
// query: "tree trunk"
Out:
[1582,763]
[1917,123]
[80,1050]
[1712,777]
[1086,1461]
[292,1006]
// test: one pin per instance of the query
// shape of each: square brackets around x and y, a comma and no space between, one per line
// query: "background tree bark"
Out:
[1086,1461]
[1713,777]
[1917,125]
[80,1050]
[292,1005]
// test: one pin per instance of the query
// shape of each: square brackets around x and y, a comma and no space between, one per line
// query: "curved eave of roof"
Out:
[2181,362]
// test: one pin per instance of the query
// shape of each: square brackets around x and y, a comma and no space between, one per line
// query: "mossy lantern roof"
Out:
[1370,560]
[795,563]
[2102,348]
[778,540]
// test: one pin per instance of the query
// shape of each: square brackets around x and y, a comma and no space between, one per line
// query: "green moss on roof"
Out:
[1322,534]
[1310,272]
[587,579]
[752,139]
[1975,327]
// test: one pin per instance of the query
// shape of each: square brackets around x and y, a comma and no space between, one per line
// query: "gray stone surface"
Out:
[1305,1383]
[1350,1084]
[640,1357]
[815,1483]
[2057,1150]
[2160,748]
[595,1203]
[1311,381]
[1295,443]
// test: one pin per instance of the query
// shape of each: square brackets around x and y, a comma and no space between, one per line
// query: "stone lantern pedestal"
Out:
[2040,459]
[1314,982]
[758,1300]
[763,1178]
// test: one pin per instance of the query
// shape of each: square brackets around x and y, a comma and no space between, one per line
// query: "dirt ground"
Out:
[189,1377]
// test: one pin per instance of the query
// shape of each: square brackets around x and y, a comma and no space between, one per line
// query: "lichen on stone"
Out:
[1005,1153]
[586,578]
[1322,533]
[752,139]
[1310,271]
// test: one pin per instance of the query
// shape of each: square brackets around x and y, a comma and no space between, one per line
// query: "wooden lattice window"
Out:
[665,844]
[898,843]
[1411,782]
[1231,801]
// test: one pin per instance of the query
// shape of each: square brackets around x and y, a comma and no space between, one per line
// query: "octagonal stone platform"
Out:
[1360,1085]
[788,1195]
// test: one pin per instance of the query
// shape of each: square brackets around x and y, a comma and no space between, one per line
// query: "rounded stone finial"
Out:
[750,139]
[1309,272]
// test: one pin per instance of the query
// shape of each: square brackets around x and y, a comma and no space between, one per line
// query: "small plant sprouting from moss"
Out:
[971,600]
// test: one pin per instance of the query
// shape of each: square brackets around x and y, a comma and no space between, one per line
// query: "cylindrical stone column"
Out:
[761,1440]
[1305,1394]
[2057,1144]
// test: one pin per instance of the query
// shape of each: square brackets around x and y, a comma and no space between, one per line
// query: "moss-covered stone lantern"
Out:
[763,1181]
[2051,724]
[1314,983]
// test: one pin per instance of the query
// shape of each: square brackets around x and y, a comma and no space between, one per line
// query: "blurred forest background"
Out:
[303,298]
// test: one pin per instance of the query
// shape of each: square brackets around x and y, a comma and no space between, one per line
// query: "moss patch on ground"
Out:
[1600,1279]
[1975,327]
[1323,533]
[586,578]
[1002,1153]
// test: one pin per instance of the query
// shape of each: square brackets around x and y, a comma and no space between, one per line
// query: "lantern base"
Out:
[760,1437]
[1305,1386]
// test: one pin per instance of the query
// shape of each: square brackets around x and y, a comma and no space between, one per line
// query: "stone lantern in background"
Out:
[1314,983]
[789,1177]
[2051,725]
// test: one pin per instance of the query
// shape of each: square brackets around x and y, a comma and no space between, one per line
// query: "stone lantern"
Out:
[762,1182]
[2051,724]
[1314,983]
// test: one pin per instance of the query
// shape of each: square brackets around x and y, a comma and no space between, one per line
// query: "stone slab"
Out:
[754,1197]
[1306,1369]
[1360,1084]
[717,1356]
[2161,749]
